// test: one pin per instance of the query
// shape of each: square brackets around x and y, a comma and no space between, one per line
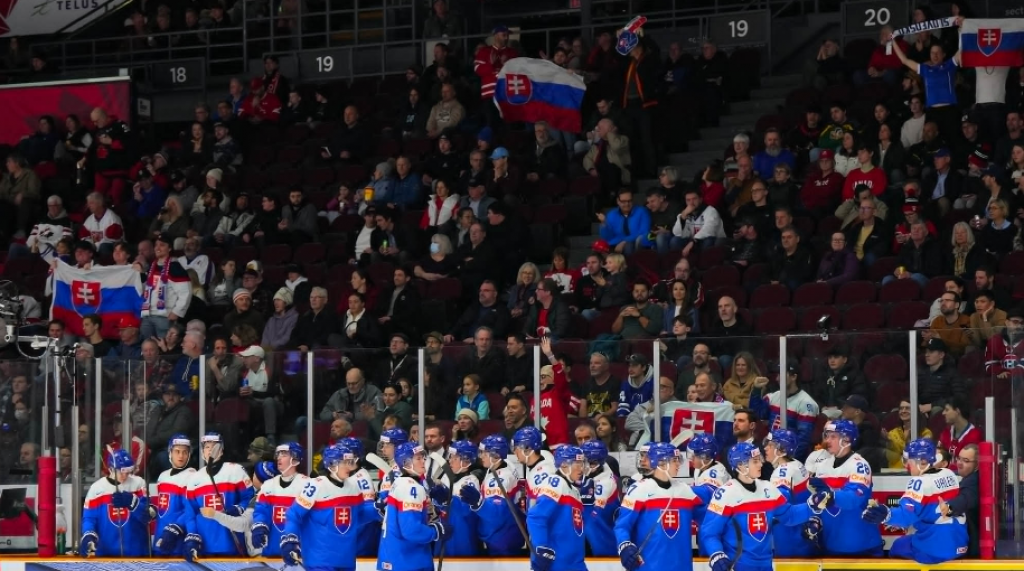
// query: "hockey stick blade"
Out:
[378,463]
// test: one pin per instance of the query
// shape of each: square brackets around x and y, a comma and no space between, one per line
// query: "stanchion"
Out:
[46,496]
[988,469]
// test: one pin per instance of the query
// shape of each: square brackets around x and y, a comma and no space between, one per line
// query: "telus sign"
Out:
[33,17]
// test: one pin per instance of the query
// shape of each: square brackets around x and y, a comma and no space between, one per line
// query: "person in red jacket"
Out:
[884,64]
[556,400]
[109,156]
[260,105]
[822,188]
[1004,353]
[867,174]
[960,431]
[911,214]
[487,64]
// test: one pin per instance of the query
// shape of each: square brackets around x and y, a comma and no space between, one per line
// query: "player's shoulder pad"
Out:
[408,492]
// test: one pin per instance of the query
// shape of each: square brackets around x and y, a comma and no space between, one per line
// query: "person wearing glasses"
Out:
[849,210]
[967,503]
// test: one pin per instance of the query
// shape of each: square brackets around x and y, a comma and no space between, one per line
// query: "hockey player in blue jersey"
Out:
[369,528]
[171,496]
[326,516]
[790,477]
[708,473]
[939,536]
[407,533]
[498,521]
[115,518]
[555,521]
[643,468]
[746,509]
[526,444]
[656,516]
[840,529]
[600,496]
[276,497]
[390,440]
[223,486]
[465,539]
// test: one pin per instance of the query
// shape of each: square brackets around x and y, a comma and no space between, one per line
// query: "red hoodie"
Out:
[556,403]
[874,178]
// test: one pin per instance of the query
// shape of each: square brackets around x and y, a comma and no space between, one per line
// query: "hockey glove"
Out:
[812,529]
[444,532]
[124,500]
[629,555]
[170,538]
[544,558]
[440,493]
[821,500]
[87,546]
[470,496]
[381,504]
[152,512]
[720,562]
[587,492]
[818,485]
[260,535]
[234,511]
[291,552]
[876,513]
[193,545]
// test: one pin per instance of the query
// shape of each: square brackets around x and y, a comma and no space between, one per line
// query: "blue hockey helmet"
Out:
[662,452]
[120,460]
[265,470]
[495,444]
[568,454]
[212,444]
[703,444]
[785,440]
[406,451]
[355,445]
[528,437]
[596,452]
[293,449]
[922,449]
[742,453]
[846,428]
[395,436]
[464,449]
[179,440]
[338,453]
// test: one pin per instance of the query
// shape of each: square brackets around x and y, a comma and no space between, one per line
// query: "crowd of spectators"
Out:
[373,234]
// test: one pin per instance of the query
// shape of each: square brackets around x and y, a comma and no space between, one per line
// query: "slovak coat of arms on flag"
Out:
[518,89]
[279,517]
[577,520]
[670,523]
[757,525]
[86,296]
[343,519]
[989,40]
[163,501]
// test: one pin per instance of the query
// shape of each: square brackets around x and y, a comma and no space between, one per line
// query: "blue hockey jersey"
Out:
[556,522]
[801,414]
[936,538]
[791,479]
[369,529]
[535,476]
[844,533]
[642,511]
[752,515]
[233,488]
[326,516]
[405,538]
[272,505]
[465,539]
[498,528]
[119,531]
[705,483]
[631,396]
[171,497]
[600,517]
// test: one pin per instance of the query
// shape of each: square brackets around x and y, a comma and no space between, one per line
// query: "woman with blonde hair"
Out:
[612,286]
[522,294]
[744,373]
[440,263]
[966,255]
[172,223]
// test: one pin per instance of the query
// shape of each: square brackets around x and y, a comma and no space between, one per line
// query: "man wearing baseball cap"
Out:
[130,347]
[487,64]
[256,386]
[939,382]
[943,186]
[823,188]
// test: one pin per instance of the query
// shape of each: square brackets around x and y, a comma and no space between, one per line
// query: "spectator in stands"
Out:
[710,71]
[640,319]
[856,409]
[911,216]
[227,153]
[565,277]
[698,224]
[984,279]
[281,324]
[442,23]
[611,285]
[359,328]
[891,155]
[521,294]
[939,76]
[865,173]
[77,139]
[920,258]
[748,247]
[348,402]
[350,142]
[390,404]
[955,285]
[869,236]
[1004,352]
[318,327]
[186,368]
[548,158]
[942,186]
[166,292]
[446,163]
[738,386]
[53,226]
[447,114]
[110,157]
[792,265]
[993,188]
[510,238]
[707,388]
[391,242]
[758,208]
[399,364]
[849,210]
[548,316]
[638,387]
[609,158]
[699,363]
[939,383]
[599,393]
[518,365]
[839,265]
[678,301]
[484,360]
[829,67]
[412,117]
[197,149]
[442,207]
[883,65]
[783,191]
[261,105]
[272,78]
[20,191]
[172,223]
[298,218]
[223,284]
[401,312]
[966,502]
[896,438]
[950,327]
[175,417]
[772,155]
[920,156]
[130,345]
[472,399]
[487,64]
[148,198]
[740,147]
[837,381]
[730,328]
[961,433]
[443,365]
[997,237]
[477,258]
[640,91]
[1014,136]
[296,111]
[823,187]
[40,146]
[987,321]
[739,189]
[224,369]
[641,418]
[834,132]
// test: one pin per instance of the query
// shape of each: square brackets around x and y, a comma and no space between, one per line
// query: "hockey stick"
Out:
[739,544]
[656,525]
[379,463]
[216,490]
[117,490]
[513,510]
[446,469]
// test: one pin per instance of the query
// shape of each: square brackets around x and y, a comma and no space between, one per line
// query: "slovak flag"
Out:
[680,421]
[534,90]
[112,292]
[992,42]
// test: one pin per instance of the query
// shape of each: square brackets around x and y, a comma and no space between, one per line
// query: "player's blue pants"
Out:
[903,548]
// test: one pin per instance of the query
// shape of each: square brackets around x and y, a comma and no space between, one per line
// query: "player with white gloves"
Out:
[115,518]
[276,497]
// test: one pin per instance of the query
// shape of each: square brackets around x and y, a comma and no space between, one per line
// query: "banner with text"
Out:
[24,104]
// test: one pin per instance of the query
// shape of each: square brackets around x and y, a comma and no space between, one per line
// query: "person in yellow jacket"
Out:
[898,437]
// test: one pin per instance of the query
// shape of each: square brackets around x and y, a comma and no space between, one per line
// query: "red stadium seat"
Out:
[812,294]
[769,295]
[775,321]
[864,316]
[899,290]
[276,255]
[720,276]
[811,315]
[904,316]
[856,292]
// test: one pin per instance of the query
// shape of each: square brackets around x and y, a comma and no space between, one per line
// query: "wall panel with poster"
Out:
[25,103]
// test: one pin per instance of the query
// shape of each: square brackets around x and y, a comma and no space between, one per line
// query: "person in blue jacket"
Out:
[745,511]
[940,535]
[624,227]
[555,522]
[115,518]
[407,533]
